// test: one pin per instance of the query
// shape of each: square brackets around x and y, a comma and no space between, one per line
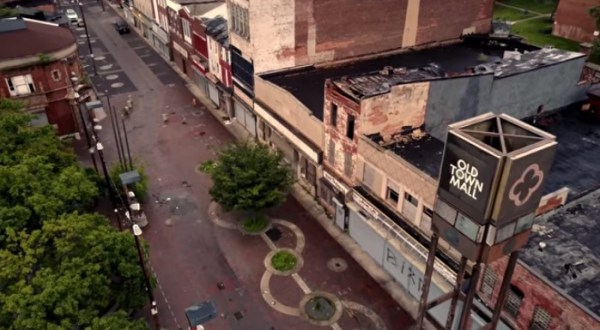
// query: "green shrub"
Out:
[283,261]
[140,188]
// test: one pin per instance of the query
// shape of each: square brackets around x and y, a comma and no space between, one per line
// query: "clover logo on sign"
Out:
[526,185]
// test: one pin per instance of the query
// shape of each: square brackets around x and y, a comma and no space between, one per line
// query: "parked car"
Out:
[72,16]
[121,27]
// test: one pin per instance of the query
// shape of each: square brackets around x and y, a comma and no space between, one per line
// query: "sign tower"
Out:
[490,184]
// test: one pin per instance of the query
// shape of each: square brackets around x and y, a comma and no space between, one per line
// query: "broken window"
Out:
[350,127]
[239,21]
[513,301]
[20,85]
[392,194]
[411,199]
[333,115]
[541,319]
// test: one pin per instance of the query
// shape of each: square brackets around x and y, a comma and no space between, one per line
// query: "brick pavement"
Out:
[188,253]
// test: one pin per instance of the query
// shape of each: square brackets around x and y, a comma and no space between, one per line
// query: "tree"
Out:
[60,267]
[39,176]
[69,273]
[249,177]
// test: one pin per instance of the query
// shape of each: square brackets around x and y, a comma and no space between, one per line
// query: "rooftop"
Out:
[571,257]
[307,84]
[575,164]
[30,37]
[217,29]
[199,8]
[419,152]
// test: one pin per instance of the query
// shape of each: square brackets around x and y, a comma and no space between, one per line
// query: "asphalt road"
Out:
[189,255]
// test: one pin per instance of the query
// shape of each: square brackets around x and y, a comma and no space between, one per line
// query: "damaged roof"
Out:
[516,62]
[570,258]
[307,84]
[380,82]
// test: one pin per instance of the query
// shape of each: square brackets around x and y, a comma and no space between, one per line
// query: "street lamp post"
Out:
[137,232]
[114,128]
[87,35]
[111,196]
[87,134]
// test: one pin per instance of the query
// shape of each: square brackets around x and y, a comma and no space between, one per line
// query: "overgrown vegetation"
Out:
[507,14]
[283,261]
[140,188]
[538,6]
[61,267]
[255,224]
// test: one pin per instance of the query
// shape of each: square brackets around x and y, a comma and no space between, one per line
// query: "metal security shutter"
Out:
[360,230]
[213,93]
[340,216]
[200,80]
[250,122]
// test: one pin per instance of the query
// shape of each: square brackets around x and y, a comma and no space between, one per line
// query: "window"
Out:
[333,117]
[308,171]
[187,35]
[411,199]
[541,319]
[350,127]
[331,152]
[513,301]
[348,165]
[489,282]
[55,75]
[20,85]
[428,212]
[368,175]
[391,193]
[239,21]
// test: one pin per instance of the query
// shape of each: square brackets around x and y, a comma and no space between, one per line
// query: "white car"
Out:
[72,16]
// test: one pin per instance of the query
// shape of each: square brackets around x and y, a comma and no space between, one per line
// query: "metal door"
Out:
[340,214]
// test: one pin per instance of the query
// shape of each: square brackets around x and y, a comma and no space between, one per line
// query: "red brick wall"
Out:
[565,314]
[199,38]
[375,26]
[441,20]
[338,133]
[572,20]
[59,109]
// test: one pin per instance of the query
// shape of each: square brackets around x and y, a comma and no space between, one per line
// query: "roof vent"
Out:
[541,246]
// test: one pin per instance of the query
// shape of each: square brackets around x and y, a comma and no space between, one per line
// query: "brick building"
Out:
[40,69]
[219,73]
[180,16]
[573,21]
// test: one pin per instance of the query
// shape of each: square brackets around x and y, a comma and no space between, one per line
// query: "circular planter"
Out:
[245,231]
[269,262]
[321,308]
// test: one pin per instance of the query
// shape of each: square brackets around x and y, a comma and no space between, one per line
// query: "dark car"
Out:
[121,27]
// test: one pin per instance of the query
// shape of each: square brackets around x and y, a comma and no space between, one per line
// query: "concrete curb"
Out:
[300,239]
[296,269]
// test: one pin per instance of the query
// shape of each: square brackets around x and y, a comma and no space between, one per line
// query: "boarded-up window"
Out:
[368,176]
[489,282]
[541,319]
[331,152]
[348,165]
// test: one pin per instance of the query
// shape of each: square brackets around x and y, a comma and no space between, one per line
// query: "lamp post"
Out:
[107,179]
[137,232]
[87,36]
[114,129]
[87,134]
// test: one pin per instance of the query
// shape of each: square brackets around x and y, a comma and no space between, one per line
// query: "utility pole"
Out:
[87,35]
[137,231]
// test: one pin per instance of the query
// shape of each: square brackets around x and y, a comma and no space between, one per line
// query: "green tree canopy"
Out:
[68,273]
[249,177]
[39,176]
[60,267]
